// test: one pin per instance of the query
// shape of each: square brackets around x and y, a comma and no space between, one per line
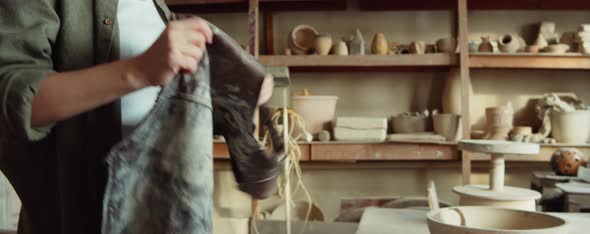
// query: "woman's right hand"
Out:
[178,49]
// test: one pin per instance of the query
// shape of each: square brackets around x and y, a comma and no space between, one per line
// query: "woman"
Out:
[75,76]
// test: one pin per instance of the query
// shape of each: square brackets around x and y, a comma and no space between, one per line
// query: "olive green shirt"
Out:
[58,171]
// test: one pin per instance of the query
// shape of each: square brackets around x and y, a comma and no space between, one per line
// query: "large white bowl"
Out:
[571,127]
[491,220]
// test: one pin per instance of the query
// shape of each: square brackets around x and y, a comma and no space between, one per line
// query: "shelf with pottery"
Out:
[545,154]
[409,60]
[530,61]
[367,151]
[220,151]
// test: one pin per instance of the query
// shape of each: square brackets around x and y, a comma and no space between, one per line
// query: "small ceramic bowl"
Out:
[532,49]
[558,48]
[446,45]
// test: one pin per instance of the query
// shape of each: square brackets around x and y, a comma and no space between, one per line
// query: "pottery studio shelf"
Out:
[366,151]
[573,61]
[360,61]
[544,156]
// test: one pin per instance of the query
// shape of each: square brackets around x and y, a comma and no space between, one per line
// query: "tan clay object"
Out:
[323,44]
[410,124]
[558,48]
[491,220]
[499,122]
[317,111]
[302,39]
[509,43]
[447,125]
[287,51]
[532,49]
[379,45]
[340,48]
[418,47]
[566,161]
[486,45]
[446,45]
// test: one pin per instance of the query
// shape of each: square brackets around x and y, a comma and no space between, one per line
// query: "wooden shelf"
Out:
[544,156]
[221,6]
[358,61]
[220,151]
[530,61]
[383,151]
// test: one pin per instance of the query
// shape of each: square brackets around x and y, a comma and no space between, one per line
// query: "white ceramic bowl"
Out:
[571,127]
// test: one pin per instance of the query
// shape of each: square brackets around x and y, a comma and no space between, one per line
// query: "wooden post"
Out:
[269,32]
[254,50]
[465,84]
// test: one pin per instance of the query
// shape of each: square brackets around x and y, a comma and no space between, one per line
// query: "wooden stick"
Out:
[286,172]
[465,84]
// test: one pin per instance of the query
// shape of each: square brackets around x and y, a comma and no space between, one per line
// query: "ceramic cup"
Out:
[448,126]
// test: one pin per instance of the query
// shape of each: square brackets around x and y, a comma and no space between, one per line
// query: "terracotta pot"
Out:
[532,49]
[317,111]
[486,45]
[447,45]
[566,161]
[418,47]
[379,45]
[509,44]
[492,220]
[499,122]
[447,125]
[323,44]
[410,124]
[571,127]
[340,48]
[558,48]
[451,98]
[302,39]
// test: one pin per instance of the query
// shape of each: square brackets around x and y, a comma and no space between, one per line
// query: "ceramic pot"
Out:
[493,220]
[558,48]
[448,126]
[585,48]
[317,111]
[486,45]
[584,28]
[446,45]
[430,48]
[418,47]
[499,122]
[541,42]
[566,161]
[357,44]
[340,48]
[509,44]
[571,127]
[473,46]
[379,45]
[532,49]
[302,39]
[323,44]
[410,124]
[451,98]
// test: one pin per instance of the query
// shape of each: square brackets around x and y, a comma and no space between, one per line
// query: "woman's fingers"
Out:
[199,25]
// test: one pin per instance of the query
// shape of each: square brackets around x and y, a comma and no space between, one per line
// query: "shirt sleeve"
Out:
[28,30]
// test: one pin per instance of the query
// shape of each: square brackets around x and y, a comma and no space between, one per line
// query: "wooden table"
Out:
[577,195]
[402,221]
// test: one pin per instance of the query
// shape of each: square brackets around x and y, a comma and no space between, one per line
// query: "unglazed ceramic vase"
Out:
[340,48]
[357,44]
[509,43]
[571,127]
[486,45]
[451,100]
[323,44]
[379,45]
[418,47]
[499,122]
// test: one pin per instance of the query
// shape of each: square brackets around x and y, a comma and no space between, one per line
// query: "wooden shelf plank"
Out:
[220,151]
[388,5]
[543,156]
[220,6]
[383,151]
[530,61]
[359,61]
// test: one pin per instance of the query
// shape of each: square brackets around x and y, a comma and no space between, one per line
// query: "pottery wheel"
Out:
[499,147]
[507,194]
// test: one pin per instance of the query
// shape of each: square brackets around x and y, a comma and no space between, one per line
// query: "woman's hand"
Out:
[178,49]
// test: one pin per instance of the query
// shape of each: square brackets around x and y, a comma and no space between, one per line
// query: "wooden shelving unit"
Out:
[530,61]
[440,59]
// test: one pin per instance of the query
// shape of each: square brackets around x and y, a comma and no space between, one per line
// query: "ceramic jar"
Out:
[357,44]
[566,161]
[509,44]
[340,48]
[486,45]
[379,45]
[448,126]
[323,44]
[446,45]
[571,127]
[418,47]
[499,122]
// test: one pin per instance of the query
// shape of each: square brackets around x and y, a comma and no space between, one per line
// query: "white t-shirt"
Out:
[139,25]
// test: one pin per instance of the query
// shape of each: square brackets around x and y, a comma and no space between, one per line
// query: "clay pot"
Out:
[446,45]
[418,47]
[499,122]
[302,39]
[486,45]
[571,127]
[473,46]
[509,44]
[287,51]
[410,124]
[447,125]
[541,42]
[566,161]
[584,28]
[357,44]
[558,48]
[493,220]
[317,111]
[451,98]
[379,45]
[323,44]
[532,49]
[340,48]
